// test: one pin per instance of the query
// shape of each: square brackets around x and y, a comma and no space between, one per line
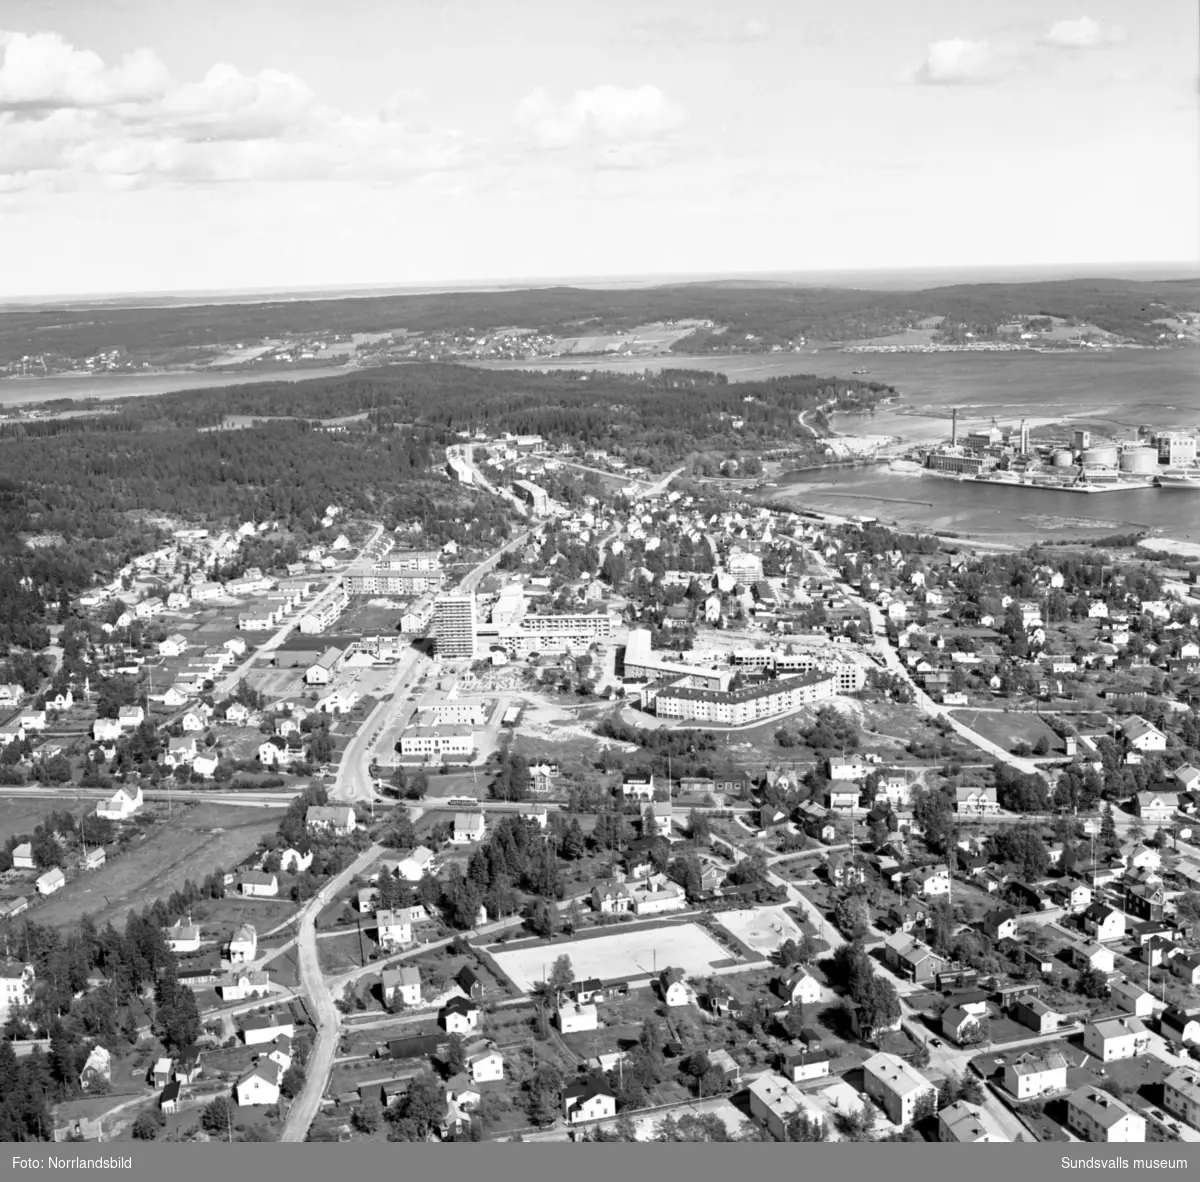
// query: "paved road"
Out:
[927,706]
[312,984]
[71,792]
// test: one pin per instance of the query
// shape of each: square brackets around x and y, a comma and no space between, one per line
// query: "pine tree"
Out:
[1108,828]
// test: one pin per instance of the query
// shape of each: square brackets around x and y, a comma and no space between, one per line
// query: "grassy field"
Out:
[20,816]
[227,914]
[278,683]
[190,843]
[343,952]
[371,615]
[1006,730]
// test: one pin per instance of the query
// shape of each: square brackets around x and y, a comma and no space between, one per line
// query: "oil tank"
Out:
[1140,461]
[1062,458]
[1099,457]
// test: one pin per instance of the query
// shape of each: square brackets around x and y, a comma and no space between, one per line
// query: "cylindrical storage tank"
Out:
[1062,458]
[1142,461]
[1099,457]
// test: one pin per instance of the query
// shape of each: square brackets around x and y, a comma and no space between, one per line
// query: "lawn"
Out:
[342,952]
[1008,729]
[21,816]
[226,915]
[191,843]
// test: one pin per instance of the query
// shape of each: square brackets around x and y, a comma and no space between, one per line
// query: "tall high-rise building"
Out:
[454,625]
[1023,445]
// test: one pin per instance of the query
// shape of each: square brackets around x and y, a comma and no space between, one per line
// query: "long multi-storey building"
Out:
[325,612]
[392,581]
[454,625]
[735,707]
[849,677]
[533,494]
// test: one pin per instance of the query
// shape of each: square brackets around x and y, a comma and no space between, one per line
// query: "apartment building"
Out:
[740,706]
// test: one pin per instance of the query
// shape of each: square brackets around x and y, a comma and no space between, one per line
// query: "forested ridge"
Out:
[772,311]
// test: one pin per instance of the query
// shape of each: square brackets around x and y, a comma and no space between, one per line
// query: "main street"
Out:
[353,782]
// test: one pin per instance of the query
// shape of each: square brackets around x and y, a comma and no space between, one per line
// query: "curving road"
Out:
[312,984]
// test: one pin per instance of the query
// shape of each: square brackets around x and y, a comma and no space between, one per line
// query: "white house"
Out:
[183,936]
[1033,1074]
[122,804]
[774,1101]
[394,930]
[403,983]
[485,1064]
[258,884]
[1142,735]
[592,1100]
[131,717]
[459,1015]
[1132,999]
[674,987]
[22,856]
[243,947]
[53,880]
[468,828]
[292,861]
[896,1086]
[263,1028]
[1100,1117]
[330,818]
[106,730]
[16,985]
[260,1085]
[1116,1038]
[573,1017]
[416,864]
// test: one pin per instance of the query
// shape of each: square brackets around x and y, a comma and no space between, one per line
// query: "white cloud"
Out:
[42,71]
[603,114]
[1083,33]
[955,62]
[68,120]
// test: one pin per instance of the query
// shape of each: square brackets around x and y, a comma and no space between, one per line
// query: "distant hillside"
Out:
[770,313]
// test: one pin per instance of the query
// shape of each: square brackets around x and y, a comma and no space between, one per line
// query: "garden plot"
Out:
[619,956]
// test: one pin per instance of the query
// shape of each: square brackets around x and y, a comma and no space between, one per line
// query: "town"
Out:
[670,816]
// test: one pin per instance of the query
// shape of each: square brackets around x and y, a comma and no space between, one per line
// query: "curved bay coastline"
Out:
[1112,390]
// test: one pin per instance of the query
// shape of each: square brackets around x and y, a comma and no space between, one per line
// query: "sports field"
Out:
[619,956]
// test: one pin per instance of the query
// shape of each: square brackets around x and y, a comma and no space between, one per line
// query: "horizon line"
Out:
[1149,271]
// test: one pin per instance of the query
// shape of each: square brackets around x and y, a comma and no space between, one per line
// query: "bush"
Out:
[145,1128]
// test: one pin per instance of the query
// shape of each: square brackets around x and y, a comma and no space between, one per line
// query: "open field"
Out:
[192,843]
[761,930]
[21,816]
[278,683]
[625,954]
[375,614]
[1006,730]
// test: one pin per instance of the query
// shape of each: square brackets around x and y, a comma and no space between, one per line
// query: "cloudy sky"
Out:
[151,145]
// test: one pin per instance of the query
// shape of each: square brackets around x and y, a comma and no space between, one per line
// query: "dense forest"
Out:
[770,311]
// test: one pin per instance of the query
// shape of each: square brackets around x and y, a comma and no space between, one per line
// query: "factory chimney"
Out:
[954,427]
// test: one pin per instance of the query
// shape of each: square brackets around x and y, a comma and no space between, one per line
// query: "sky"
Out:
[157,145]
